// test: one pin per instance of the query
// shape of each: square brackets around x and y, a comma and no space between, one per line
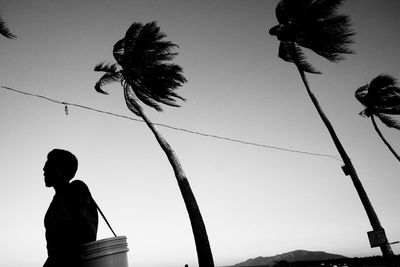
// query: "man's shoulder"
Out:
[78,186]
[77,182]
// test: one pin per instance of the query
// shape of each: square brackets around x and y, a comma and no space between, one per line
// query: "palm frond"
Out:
[388,100]
[146,74]
[146,97]
[124,49]
[130,100]
[389,121]
[320,9]
[316,25]
[144,55]
[286,52]
[147,47]
[158,85]
[380,82]
[381,97]
[329,38]
[106,67]
[135,44]
[133,31]
[107,78]
[361,94]
[364,113]
[118,52]
[5,31]
[287,11]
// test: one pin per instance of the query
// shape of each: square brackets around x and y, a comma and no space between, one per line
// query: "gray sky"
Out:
[255,201]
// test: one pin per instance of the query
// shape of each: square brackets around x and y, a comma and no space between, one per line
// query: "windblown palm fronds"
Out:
[313,24]
[143,68]
[316,25]
[381,98]
[5,31]
[142,59]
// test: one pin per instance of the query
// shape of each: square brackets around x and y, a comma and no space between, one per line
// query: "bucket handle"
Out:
[104,217]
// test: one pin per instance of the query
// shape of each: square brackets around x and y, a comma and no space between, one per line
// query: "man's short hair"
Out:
[64,160]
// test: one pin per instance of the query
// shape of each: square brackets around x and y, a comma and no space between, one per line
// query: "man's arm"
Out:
[84,211]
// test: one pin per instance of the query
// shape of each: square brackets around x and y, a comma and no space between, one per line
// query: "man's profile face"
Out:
[51,173]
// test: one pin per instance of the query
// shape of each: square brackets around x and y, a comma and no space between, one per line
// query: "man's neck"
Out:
[61,188]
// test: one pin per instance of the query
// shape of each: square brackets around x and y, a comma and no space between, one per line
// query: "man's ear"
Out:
[61,173]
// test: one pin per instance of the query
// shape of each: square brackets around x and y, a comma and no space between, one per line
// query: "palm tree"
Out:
[316,25]
[381,98]
[147,77]
[5,31]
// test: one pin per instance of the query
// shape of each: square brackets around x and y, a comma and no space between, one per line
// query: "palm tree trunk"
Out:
[203,248]
[383,138]
[348,166]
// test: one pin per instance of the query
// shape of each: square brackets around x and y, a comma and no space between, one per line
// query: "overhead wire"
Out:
[66,104]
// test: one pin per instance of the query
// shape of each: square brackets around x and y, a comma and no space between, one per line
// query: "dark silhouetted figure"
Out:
[71,218]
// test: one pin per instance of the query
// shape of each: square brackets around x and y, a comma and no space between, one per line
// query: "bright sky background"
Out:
[255,201]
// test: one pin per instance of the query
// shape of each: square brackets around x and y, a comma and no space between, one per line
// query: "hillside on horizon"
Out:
[296,255]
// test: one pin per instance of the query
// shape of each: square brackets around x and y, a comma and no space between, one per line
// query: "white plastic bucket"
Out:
[109,252]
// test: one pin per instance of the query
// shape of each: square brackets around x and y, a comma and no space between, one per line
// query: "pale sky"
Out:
[254,201]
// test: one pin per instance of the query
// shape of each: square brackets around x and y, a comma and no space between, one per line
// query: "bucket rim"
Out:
[114,238]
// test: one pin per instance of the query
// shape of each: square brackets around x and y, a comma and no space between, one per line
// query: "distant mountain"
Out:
[297,255]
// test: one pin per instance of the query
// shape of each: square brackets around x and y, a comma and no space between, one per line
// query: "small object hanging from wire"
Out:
[66,108]
[171,127]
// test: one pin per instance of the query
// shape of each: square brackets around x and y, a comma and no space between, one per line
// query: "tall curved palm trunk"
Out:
[348,167]
[383,138]
[204,254]
[317,25]
[147,76]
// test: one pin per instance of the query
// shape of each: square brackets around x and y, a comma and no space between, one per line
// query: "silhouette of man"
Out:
[71,218]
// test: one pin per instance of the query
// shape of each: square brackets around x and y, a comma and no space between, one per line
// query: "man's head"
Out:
[60,167]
